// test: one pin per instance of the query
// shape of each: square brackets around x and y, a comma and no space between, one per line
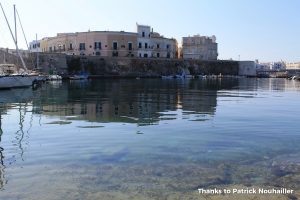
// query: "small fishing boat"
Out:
[81,76]
[54,78]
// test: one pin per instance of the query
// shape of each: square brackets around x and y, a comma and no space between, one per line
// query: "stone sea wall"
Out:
[149,67]
[6,57]
[56,63]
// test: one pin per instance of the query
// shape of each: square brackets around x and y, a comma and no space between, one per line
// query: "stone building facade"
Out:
[295,65]
[199,47]
[92,43]
[144,43]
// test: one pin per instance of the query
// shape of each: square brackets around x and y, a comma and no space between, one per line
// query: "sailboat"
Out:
[10,75]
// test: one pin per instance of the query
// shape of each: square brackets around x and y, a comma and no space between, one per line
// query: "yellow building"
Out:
[92,43]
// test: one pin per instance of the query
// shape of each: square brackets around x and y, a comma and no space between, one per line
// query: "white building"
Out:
[144,41]
[152,44]
[200,47]
[277,66]
[262,66]
[35,46]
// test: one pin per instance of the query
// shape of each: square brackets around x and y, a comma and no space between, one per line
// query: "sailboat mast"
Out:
[13,37]
[16,35]
[37,52]
[16,42]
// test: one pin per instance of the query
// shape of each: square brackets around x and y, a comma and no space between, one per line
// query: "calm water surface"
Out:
[148,139]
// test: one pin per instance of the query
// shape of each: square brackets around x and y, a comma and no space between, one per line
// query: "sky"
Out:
[267,30]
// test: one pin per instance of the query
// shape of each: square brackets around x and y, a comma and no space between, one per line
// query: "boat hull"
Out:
[7,82]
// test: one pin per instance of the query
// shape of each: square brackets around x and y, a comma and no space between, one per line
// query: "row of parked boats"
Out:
[12,77]
[295,78]
[189,76]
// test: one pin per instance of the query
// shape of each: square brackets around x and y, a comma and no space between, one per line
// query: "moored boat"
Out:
[54,78]
[12,76]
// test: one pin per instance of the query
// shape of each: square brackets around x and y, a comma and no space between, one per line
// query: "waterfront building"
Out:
[143,43]
[152,44]
[200,47]
[277,66]
[35,46]
[94,43]
[295,65]
[262,66]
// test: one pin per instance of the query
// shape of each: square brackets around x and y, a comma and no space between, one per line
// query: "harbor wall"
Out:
[247,68]
[51,63]
[150,67]
[56,63]
[9,58]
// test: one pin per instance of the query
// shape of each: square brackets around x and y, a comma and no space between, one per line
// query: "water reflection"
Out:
[142,102]
[1,153]
[210,131]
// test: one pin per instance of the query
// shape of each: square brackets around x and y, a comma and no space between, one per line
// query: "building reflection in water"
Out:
[131,101]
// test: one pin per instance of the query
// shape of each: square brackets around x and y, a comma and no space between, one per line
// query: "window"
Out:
[98,53]
[168,46]
[143,34]
[157,55]
[54,48]
[146,45]
[81,46]
[145,55]
[157,46]
[71,46]
[97,45]
[129,46]
[50,49]
[140,55]
[64,47]
[115,54]
[140,45]
[115,46]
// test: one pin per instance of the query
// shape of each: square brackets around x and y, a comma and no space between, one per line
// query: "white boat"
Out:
[10,75]
[15,81]
[78,77]
[54,78]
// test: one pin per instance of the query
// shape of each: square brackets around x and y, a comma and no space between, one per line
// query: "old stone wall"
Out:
[55,63]
[148,67]
[6,57]
[51,63]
